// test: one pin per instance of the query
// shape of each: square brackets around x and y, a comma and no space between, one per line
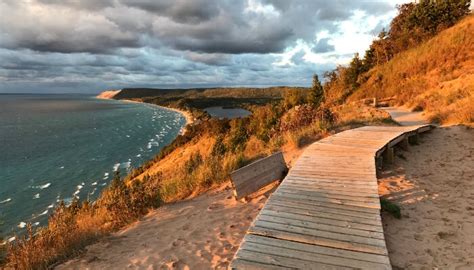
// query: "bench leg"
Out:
[388,155]
[404,144]
[415,139]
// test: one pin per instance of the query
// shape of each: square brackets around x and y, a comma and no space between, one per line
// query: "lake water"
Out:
[56,147]
[230,113]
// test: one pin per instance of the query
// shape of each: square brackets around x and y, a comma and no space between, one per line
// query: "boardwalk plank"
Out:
[312,257]
[290,235]
[338,253]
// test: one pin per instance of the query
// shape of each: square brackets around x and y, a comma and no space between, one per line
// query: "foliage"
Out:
[435,77]
[390,208]
[293,97]
[316,93]
[414,24]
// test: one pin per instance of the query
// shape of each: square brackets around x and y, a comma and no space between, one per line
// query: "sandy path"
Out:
[405,117]
[434,184]
[202,233]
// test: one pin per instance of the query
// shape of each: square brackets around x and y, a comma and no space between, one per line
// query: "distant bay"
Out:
[57,147]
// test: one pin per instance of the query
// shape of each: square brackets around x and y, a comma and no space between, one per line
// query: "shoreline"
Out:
[186,114]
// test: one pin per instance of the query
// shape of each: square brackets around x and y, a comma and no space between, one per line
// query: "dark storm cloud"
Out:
[166,42]
[188,12]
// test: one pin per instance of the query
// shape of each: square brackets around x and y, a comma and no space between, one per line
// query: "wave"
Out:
[126,165]
[6,200]
[22,225]
[37,195]
[116,167]
[44,213]
[94,184]
[43,186]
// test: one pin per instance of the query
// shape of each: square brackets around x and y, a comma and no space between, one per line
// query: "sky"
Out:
[86,46]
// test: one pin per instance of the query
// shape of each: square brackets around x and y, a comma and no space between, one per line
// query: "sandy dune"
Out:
[202,233]
[434,184]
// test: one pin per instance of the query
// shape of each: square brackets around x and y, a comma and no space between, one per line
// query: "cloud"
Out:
[323,46]
[180,42]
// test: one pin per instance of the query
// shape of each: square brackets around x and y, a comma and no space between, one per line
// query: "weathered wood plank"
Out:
[320,227]
[290,235]
[246,264]
[256,175]
[318,217]
[322,198]
[327,203]
[338,253]
[312,257]
[275,209]
[281,261]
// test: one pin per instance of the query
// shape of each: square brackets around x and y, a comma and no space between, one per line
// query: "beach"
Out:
[187,115]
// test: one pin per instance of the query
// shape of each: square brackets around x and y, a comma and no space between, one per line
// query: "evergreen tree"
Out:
[316,94]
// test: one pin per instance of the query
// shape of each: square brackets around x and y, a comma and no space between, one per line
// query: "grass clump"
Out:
[390,208]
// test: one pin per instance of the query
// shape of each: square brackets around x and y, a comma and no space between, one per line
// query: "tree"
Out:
[316,93]
[292,97]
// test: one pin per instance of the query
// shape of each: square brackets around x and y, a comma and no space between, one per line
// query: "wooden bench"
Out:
[258,174]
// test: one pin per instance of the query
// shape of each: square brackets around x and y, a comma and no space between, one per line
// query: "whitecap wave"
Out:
[94,184]
[22,225]
[44,213]
[126,165]
[50,206]
[6,200]
[43,186]
[37,195]
[11,239]
[139,155]
[80,186]
[116,167]
[36,223]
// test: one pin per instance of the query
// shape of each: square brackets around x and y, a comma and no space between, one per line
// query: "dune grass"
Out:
[436,77]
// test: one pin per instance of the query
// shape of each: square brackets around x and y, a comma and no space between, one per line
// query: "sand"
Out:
[109,94]
[433,182]
[202,233]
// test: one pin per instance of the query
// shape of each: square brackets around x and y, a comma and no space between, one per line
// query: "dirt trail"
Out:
[406,117]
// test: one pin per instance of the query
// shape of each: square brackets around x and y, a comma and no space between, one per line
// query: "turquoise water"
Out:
[56,147]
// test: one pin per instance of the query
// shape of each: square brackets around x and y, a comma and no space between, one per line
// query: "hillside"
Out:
[200,98]
[437,76]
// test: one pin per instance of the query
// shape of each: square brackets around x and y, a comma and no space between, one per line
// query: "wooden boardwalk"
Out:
[326,212]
